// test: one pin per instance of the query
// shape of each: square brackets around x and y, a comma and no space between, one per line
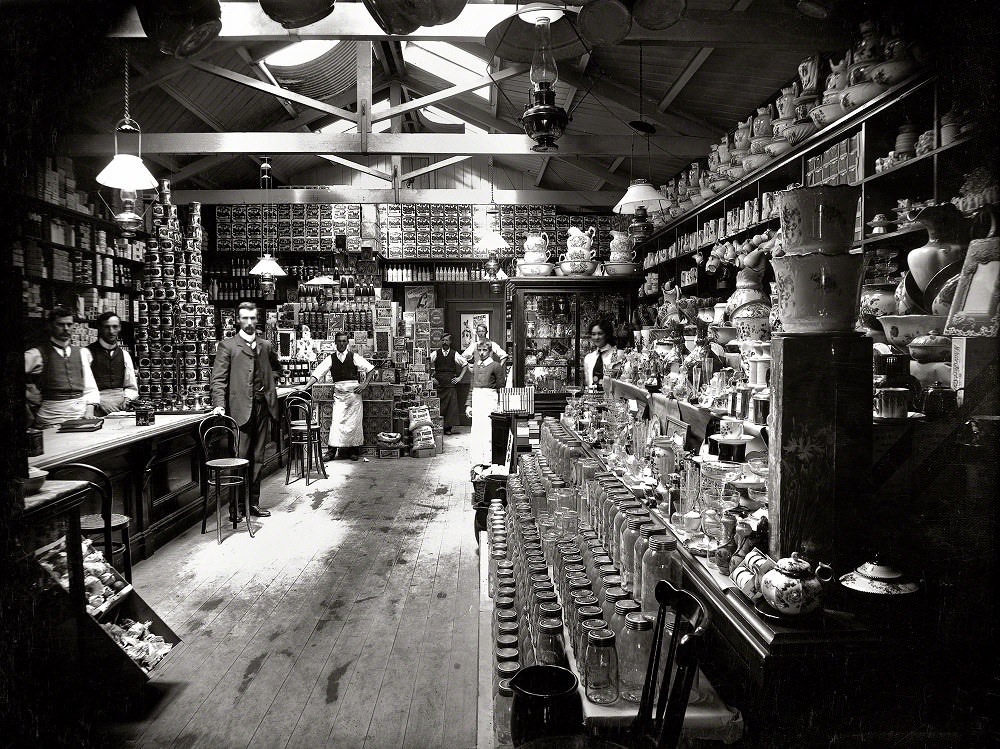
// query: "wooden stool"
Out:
[230,471]
[303,438]
[106,522]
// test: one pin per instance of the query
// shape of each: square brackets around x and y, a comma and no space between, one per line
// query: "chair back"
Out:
[99,481]
[213,428]
[298,408]
[662,729]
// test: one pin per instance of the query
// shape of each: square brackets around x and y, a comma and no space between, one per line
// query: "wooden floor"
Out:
[351,620]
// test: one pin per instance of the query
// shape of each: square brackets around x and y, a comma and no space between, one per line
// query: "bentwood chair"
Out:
[106,522]
[303,438]
[662,729]
[221,434]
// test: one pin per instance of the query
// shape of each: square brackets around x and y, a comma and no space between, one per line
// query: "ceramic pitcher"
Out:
[621,242]
[724,153]
[762,122]
[741,139]
[786,102]
[837,80]
[536,247]
[809,74]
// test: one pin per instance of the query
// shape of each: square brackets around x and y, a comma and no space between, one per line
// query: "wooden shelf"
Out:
[890,237]
[59,210]
[903,166]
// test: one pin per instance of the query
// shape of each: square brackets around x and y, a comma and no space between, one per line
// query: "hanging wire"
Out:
[128,118]
[492,198]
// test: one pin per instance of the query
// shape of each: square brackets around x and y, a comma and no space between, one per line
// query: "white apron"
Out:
[113,399]
[484,402]
[345,426]
[54,413]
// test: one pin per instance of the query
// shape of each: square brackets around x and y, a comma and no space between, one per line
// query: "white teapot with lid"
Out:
[794,587]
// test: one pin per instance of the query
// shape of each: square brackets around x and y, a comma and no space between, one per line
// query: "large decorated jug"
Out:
[944,246]
[622,247]
[762,122]
[741,139]
[786,102]
[837,80]
[578,243]
[536,247]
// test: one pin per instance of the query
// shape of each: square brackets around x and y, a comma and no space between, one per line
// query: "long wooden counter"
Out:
[155,471]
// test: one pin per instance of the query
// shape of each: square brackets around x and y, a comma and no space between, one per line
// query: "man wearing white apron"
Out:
[61,374]
[488,376]
[483,334]
[112,365]
[344,368]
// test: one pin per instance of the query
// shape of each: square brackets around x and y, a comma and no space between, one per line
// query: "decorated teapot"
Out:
[536,247]
[578,243]
[794,587]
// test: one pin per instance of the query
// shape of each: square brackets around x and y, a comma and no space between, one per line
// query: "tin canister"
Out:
[145,415]
[36,443]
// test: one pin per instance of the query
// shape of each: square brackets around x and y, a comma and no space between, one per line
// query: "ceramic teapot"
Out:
[943,224]
[786,102]
[536,247]
[794,587]
[741,139]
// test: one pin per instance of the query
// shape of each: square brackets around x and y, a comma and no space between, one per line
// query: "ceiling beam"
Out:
[231,75]
[694,65]
[413,174]
[356,166]
[451,92]
[419,144]
[347,194]
[244,22]
[611,169]
[263,73]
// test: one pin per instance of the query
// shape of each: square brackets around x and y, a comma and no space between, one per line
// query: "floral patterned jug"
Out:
[536,247]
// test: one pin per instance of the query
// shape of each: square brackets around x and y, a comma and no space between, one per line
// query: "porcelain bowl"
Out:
[902,329]
[799,131]
[854,96]
[723,334]
[578,267]
[892,72]
[535,269]
[777,147]
[33,484]
[622,269]
[825,114]
[924,352]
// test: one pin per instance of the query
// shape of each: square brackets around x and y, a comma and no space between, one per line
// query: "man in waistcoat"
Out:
[243,387]
[112,365]
[59,377]
[350,373]
[448,367]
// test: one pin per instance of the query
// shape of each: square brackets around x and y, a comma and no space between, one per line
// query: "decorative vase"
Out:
[761,126]
[741,139]
[809,75]
[748,289]
[546,703]
[818,293]
[877,300]
[818,219]
[943,247]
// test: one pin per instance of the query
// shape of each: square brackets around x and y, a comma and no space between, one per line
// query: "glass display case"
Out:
[551,318]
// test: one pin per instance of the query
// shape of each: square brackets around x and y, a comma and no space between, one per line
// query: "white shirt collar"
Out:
[248,338]
[342,356]
[605,348]
[107,346]
[63,350]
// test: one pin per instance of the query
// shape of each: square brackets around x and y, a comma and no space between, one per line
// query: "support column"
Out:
[820,445]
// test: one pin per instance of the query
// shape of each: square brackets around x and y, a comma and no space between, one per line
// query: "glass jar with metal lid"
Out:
[600,667]
[622,609]
[625,511]
[635,643]
[660,562]
[550,649]
[609,597]
[630,534]
[641,544]
[582,633]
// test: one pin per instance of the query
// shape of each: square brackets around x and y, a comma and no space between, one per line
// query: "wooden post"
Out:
[820,446]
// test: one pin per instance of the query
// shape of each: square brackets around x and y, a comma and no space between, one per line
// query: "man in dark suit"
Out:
[243,387]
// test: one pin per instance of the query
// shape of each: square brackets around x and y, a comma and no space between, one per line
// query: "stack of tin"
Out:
[175,330]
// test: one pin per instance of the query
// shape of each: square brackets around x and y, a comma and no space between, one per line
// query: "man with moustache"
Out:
[243,386]
[112,365]
[448,367]
[59,375]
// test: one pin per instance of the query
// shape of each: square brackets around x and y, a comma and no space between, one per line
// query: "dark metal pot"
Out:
[294,14]
[546,703]
[400,17]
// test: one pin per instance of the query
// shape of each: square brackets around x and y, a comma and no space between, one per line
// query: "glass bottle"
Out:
[622,609]
[630,535]
[600,667]
[645,533]
[580,644]
[615,530]
[660,562]
[550,650]
[634,647]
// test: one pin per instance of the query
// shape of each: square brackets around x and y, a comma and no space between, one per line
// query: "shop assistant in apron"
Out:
[449,367]
[350,374]
[112,366]
[59,376]
[488,376]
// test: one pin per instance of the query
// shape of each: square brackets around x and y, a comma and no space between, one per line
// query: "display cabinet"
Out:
[551,318]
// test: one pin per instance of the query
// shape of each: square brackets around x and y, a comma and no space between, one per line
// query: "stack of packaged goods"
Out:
[175,331]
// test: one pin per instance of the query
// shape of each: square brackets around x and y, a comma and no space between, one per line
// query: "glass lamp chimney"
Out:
[544,72]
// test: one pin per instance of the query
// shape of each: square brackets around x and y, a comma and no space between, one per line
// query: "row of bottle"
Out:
[416,273]
[236,291]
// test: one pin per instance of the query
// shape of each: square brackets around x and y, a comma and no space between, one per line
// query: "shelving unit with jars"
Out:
[860,140]
[550,319]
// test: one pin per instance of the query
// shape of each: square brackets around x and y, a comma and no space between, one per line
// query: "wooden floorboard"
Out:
[339,625]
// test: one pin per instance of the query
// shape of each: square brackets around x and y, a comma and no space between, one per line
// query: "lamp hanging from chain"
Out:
[543,121]
[267,268]
[492,242]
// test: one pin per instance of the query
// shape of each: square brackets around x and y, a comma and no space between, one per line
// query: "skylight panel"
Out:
[445,118]
[300,53]
[448,62]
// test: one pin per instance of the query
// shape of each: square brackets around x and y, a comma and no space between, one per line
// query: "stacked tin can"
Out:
[175,330]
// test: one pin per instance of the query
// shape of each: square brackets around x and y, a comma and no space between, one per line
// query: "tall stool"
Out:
[303,438]
[228,471]
[106,522]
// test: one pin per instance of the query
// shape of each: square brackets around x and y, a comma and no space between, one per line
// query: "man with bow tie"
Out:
[59,377]
[243,387]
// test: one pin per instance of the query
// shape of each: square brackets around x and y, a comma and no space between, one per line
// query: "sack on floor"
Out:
[419,416]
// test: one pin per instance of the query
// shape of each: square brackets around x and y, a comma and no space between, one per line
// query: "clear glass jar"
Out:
[505,613]
[645,532]
[541,596]
[600,667]
[622,609]
[505,670]
[610,596]
[501,715]
[660,562]
[635,645]
[585,614]
[496,556]
[580,645]
[616,530]
[629,536]
[550,649]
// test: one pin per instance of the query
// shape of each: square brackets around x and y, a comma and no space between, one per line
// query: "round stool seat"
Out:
[297,423]
[303,427]
[91,523]
[227,463]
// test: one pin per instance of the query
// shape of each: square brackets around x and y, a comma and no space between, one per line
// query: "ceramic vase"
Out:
[943,246]
[877,300]
[818,219]
[818,293]
[748,289]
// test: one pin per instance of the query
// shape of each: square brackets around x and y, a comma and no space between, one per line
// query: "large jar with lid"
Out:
[591,610]
[645,533]
[504,670]
[630,534]
[622,609]
[600,667]
[501,715]
[660,562]
[635,643]
[609,598]
[586,626]
[615,529]
[550,649]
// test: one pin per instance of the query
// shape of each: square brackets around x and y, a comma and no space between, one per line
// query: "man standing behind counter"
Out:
[112,365]
[60,375]
[243,386]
